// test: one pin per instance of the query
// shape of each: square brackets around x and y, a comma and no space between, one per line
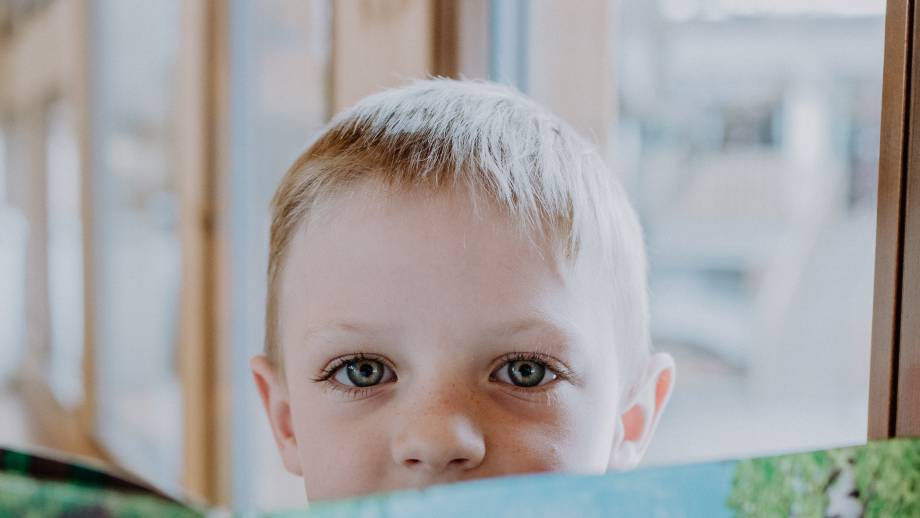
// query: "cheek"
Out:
[340,454]
[572,435]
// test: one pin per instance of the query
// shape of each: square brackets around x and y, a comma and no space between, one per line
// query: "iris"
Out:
[526,373]
[364,373]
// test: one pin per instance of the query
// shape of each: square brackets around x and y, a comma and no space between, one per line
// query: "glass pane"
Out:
[137,256]
[65,256]
[13,238]
[3,172]
[280,60]
[748,134]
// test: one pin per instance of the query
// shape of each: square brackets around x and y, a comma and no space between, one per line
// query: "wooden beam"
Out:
[45,59]
[190,158]
[893,353]
[38,55]
[472,39]
[216,254]
[82,100]
[445,60]
[907,405]
[52,426]
[568,42]
[204,439]
[377,44]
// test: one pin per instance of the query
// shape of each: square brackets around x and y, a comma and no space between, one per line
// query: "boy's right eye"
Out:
[363,372]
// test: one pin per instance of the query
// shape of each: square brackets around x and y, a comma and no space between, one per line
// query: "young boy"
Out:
[457,290]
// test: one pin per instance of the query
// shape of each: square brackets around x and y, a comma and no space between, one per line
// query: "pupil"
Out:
[526,373]
[364,373]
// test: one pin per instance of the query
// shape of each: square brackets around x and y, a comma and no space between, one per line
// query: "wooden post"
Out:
[45,58]
[82,101]
[569,41]
[894,386]
[377,44]
[907,417]
[202,68]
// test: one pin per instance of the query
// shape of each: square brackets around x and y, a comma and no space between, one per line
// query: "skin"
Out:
[438,297]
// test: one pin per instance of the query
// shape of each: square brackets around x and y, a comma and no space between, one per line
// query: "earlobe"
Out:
[638,421]
[275,400]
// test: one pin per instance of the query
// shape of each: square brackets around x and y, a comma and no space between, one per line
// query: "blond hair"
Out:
[442,134]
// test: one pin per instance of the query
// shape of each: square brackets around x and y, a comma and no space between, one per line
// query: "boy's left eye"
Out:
[363,372]
[525,373]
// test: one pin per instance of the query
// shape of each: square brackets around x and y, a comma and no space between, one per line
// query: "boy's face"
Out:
[424,345]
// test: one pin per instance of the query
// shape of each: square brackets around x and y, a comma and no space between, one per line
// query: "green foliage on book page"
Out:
[885,481]
[27,497]
[888,478]
[781,486]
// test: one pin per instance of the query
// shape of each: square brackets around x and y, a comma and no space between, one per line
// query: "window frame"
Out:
[453,30]
[443,46]
[894,381]
[44,55]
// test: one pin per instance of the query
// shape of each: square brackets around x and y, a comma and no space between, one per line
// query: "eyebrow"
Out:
[525,325]
[343,327]
[508,329]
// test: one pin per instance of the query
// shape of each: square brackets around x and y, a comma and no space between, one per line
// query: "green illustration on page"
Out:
[879,479]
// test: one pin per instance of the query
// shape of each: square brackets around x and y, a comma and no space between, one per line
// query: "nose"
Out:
[439,443]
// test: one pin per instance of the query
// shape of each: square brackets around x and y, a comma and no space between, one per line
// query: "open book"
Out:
[877,479]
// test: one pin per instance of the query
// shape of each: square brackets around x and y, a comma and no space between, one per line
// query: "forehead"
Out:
[422,263]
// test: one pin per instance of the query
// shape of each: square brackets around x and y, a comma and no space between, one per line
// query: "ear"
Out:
[637,424]
[275,399]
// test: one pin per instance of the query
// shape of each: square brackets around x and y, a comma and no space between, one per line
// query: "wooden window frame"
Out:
[58,36]
[894,382]
[201,360]
[44,57]
[444,42]
[453,42]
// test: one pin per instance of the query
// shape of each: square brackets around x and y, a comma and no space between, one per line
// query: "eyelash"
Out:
[562,372]
[341,361]
[337,363]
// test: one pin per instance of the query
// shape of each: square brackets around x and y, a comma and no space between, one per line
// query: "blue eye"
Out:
[525,373]
[363,372]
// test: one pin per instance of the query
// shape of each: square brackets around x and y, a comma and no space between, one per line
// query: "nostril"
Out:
[455,463]
[458,462]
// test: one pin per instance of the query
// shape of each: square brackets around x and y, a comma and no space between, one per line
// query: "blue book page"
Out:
[877,479]
[693,490]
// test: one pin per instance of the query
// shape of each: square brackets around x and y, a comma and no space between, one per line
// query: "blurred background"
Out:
[140,144]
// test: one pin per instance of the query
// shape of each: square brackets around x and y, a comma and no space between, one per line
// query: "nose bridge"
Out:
[439,429]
